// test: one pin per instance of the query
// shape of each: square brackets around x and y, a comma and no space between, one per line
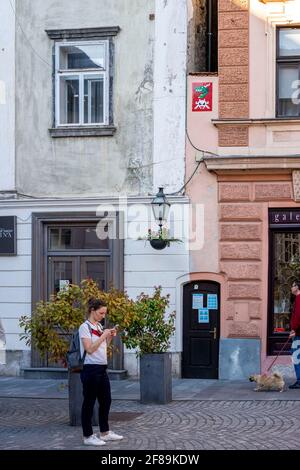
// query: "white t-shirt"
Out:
[100,355]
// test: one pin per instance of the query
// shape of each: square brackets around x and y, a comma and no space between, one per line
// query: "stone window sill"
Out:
[96,131]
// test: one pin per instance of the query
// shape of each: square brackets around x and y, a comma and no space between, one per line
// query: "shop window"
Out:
[284,269]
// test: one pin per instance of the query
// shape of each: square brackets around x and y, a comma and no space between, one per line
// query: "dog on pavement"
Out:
[266,382]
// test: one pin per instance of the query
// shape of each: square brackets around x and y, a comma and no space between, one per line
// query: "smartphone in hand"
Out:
[114,330]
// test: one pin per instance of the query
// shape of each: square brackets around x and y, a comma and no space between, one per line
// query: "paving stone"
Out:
[181,425]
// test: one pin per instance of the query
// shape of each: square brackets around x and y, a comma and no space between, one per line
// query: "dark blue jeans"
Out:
[95,385]
[296,356]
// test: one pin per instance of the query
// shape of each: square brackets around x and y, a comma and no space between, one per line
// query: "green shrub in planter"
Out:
[50,327]
[53,321]
[150,332]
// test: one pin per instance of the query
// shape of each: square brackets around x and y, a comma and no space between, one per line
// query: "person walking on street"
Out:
[295,333]
[95,382]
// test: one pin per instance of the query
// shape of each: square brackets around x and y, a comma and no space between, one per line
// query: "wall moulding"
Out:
[273,1]
[271,163]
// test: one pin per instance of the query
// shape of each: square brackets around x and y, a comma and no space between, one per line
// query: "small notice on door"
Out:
[197,301]
[64,284]
[212,301]
[203,315]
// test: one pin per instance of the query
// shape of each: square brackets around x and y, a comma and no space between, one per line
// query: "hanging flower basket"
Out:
[158,244]
[159,240]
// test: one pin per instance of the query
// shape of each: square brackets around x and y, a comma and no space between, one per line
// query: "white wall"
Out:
[15,282]
[169,94]
[144,267]
[7,96]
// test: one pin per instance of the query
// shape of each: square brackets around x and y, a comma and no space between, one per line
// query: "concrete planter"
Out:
[76,397]
[156,378]
[75,401]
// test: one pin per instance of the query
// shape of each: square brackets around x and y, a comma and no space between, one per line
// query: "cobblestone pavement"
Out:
[181,425]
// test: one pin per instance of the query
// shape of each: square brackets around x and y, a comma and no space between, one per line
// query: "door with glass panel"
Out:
[62,271]
[95,268]
[73,253]
[65,270]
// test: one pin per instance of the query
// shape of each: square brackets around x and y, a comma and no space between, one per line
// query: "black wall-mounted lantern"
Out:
[160,208]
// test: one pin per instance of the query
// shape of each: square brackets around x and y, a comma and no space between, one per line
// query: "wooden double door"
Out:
[64,270]
[68,247]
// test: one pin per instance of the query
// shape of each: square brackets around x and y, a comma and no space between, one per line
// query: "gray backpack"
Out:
[74,360]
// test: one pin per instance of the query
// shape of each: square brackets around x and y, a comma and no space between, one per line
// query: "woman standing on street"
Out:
[94,341]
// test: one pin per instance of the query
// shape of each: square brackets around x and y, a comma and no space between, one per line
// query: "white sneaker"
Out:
[93,440]
[111,436]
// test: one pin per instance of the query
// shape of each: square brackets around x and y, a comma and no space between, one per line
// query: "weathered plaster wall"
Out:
[7,96]
[169,94]
[89,166]
[196,36]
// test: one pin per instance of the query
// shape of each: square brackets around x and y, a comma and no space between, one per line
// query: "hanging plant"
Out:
[160,239]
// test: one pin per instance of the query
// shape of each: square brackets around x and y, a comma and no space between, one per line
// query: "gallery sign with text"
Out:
[284,217]
[8,236]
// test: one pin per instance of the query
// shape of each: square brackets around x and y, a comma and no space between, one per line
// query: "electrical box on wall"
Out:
[199,156]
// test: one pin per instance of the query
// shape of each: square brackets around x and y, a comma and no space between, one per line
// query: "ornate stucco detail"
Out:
[296,184]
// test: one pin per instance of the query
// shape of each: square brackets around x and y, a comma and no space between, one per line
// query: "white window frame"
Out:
[81,73]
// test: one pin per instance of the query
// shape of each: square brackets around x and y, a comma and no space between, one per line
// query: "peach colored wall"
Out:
[242,247]
[264,18]
[244,250]
[236,203]
[203,188]
[269,138]
[221,279]
[255,75]
[258,82]
[200,129]
[233,26]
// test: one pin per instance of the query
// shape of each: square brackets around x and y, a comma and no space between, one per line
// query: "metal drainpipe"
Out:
[209,35]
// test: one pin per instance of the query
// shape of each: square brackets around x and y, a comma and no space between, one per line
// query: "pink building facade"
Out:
[243,129]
